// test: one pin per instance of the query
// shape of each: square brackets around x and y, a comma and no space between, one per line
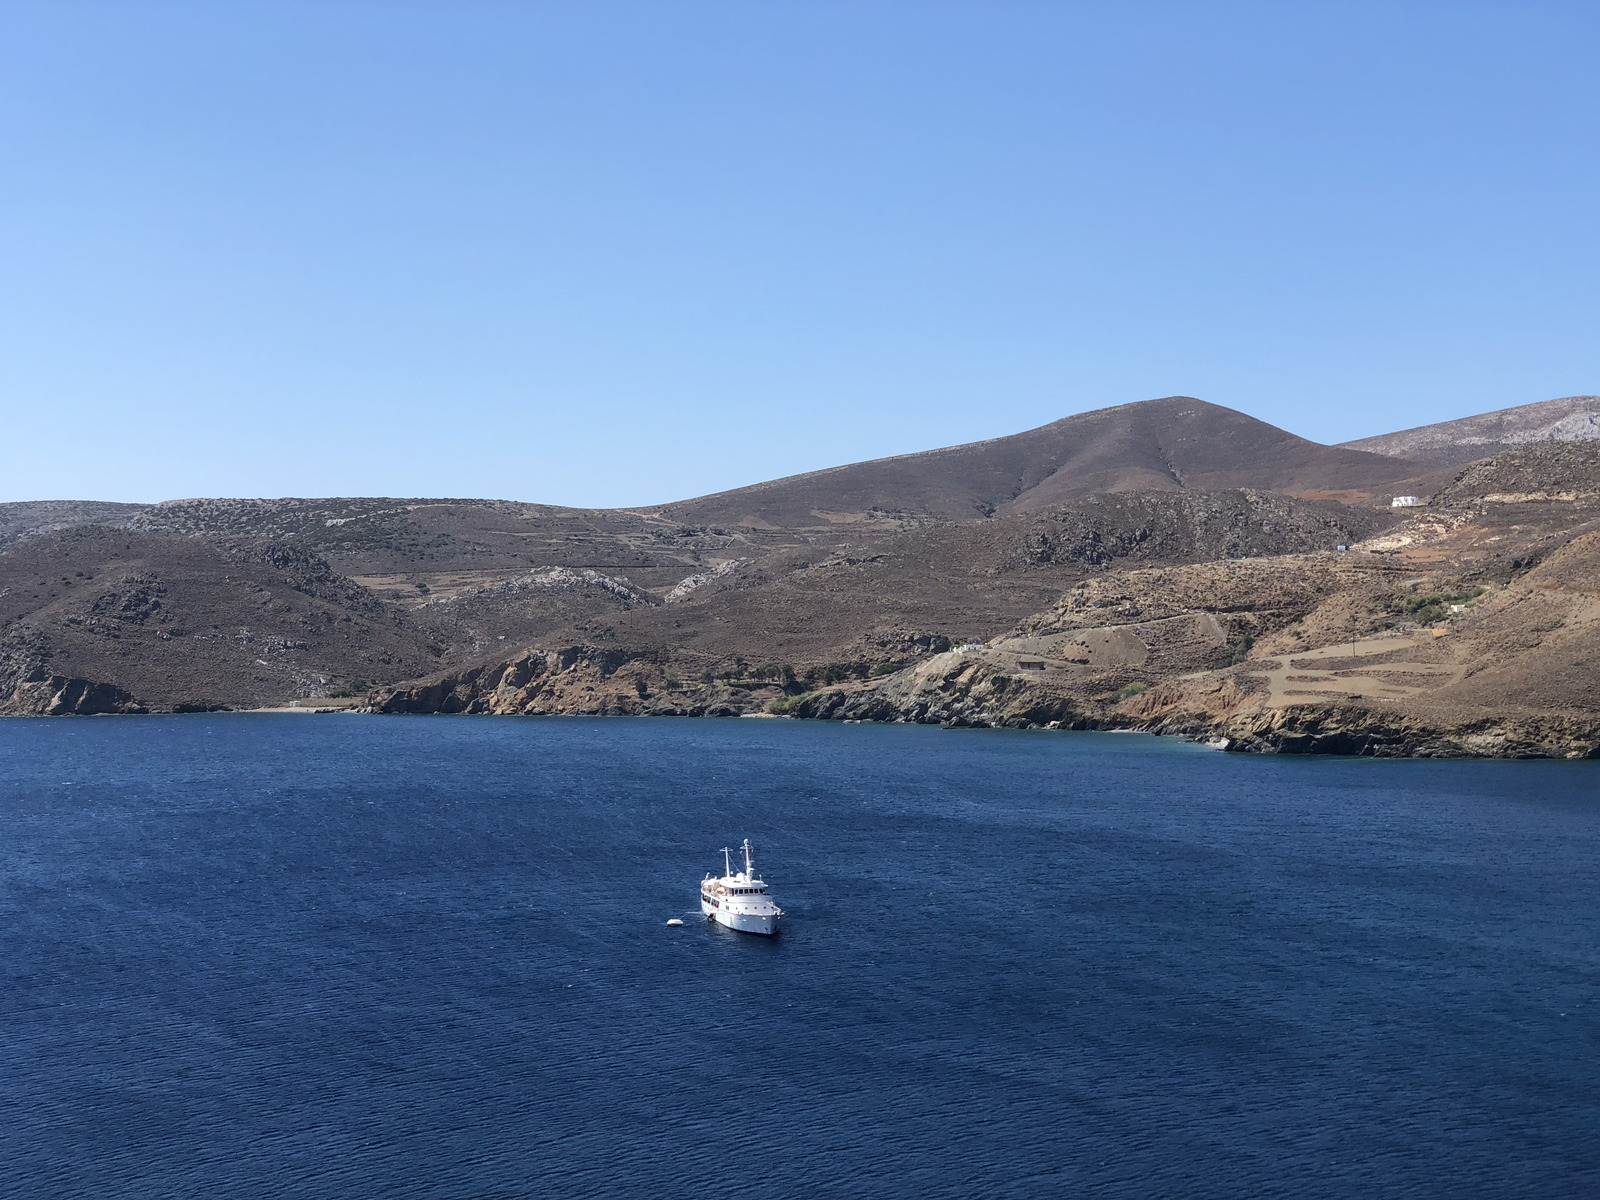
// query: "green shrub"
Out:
[1130,691]
[786,705]
[884,668]
[1435,607]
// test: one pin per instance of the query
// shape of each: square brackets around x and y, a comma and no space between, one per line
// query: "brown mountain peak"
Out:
[1168,444]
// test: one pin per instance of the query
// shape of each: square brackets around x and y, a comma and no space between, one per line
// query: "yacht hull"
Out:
[743,922]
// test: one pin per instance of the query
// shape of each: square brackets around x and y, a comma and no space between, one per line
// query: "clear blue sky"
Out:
[619,253]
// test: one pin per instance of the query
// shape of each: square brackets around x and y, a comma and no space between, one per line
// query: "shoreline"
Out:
[1277,732]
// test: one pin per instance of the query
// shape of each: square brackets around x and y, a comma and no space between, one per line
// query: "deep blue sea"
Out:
[296,956]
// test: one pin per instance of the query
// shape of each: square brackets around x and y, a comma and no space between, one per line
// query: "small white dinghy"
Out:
[674,921]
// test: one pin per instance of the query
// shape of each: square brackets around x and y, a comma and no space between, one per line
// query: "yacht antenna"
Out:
[727,865]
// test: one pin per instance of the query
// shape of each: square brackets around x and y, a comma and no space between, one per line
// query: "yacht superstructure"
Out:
[739,899]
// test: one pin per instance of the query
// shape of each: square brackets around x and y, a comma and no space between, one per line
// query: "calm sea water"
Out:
[427,957]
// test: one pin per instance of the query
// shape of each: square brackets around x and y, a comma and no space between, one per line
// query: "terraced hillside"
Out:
[1171,566]
[1471,628]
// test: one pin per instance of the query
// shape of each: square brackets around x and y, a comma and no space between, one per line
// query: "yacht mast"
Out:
[727,863]
[749,869]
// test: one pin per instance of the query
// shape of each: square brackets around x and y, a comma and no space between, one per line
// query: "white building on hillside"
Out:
[1404,502]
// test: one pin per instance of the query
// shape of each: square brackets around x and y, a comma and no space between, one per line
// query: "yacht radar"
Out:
[739,899]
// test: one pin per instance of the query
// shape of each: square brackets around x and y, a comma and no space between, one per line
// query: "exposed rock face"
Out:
[552,579]
[1570,419]
[1361,731]
[1349,727]
[1562,471]
[959,690]
[57,696]
[572,679]
[685,587]
[1189,527]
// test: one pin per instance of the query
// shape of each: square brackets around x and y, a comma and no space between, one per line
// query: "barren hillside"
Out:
[99,619]
[1570,419]
[1174,444]
[1171,565]
[1471,628]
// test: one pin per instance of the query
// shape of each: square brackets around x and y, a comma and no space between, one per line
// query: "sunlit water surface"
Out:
[428,957]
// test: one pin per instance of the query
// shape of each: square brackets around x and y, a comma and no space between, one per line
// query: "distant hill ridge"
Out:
[1177,443]
[1450,443]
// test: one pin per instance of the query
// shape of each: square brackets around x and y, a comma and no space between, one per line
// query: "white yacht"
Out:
[739,900]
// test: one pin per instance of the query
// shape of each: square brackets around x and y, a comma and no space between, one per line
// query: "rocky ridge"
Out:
[1447,443]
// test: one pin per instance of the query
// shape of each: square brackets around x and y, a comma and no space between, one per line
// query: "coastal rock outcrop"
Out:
[1364,731]
[58,696]
[956,689]
[571,679]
